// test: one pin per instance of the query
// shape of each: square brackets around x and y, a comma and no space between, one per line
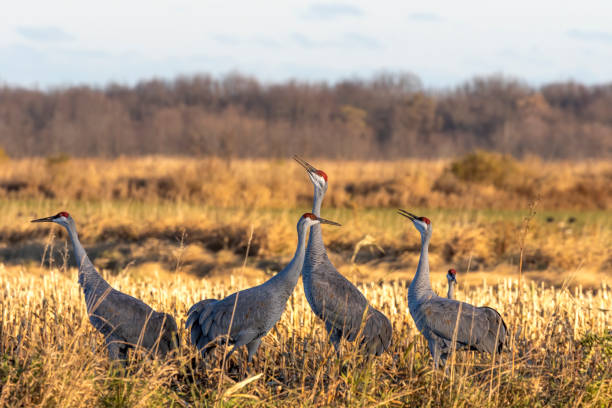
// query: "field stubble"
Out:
[52,357]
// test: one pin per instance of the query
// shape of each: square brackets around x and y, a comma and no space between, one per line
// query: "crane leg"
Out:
[117,349]
[434,349]
[334,336]
[242,339]
[252,348]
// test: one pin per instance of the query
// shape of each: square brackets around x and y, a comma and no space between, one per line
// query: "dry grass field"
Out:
[51,356]
[173,231]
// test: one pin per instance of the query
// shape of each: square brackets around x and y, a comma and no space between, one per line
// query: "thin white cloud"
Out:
[591,35]
[347,40]
[426,17]
[304,41]
[44,34]
[226,39]
[360,40]
[329,11]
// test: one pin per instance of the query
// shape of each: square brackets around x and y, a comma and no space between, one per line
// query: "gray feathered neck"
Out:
[316,249]
[89,279]
[288,277]
[420,288]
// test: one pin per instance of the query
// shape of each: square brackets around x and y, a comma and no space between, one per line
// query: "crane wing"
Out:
[377,332]
[339,302]
[119,314]
[336,301]
[341,306]
[210,319]
[474,327]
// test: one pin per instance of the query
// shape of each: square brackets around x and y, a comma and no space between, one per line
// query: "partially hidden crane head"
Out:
[309,219]
[451,275]
[318,177]
[61,218]
[421,223]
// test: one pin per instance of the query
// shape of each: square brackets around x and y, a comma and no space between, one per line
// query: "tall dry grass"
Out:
[51,356]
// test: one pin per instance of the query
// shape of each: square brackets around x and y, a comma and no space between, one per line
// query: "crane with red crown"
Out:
[333,298]
[125,322]
[446,321]
[451,278]
[248,315]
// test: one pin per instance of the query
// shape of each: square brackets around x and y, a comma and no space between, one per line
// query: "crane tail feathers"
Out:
[191,319]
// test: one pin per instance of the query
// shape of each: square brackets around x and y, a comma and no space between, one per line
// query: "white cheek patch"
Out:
[316,179]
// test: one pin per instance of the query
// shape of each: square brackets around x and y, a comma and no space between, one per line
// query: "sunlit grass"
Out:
[52,356]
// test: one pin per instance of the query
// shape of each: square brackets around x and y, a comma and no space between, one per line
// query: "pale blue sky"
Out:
[53,43]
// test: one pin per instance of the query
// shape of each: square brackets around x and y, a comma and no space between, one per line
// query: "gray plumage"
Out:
[125,322]
[452,282]
[441,320]
[258,308]
[332,297]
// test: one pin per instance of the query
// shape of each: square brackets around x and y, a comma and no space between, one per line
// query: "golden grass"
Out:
[284,184]
[208,241]
[153,226]
[51,356]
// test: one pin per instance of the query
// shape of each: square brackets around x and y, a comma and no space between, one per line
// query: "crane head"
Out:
[318,177]
[423,224]
[311,219]
[59,218]
[451,275]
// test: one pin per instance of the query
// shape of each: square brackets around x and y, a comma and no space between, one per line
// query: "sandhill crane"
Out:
[125,322]
[331,296]
[451,277]
[255,310]
[440,319]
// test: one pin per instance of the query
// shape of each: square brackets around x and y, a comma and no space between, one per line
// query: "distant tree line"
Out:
[387,116]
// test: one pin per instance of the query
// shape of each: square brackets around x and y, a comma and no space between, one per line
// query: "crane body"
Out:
[449,324]
[255,310]
[333,298]
[451,277]
[124,321]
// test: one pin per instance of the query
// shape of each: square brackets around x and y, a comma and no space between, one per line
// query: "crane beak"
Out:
[46,219]
[304,164]
[406,214]
[324,221]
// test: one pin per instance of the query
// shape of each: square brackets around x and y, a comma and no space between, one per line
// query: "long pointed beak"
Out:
[406,214]
[46,219]
[305,164]
[324,221]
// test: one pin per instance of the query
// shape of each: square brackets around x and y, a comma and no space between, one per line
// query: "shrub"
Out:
[59,158]
[485,167]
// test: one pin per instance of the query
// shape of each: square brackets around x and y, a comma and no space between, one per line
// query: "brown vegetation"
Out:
[198,213]
[479,180]
[390,116]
